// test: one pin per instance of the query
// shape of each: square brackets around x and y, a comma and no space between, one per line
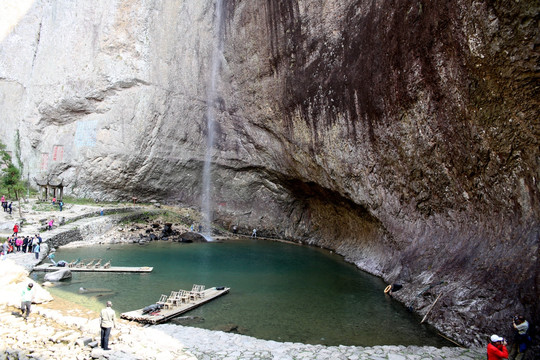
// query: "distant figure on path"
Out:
[107,317]
[496,349]
[10,207]
[60,204]
[51,223]
[32,242]
[192,227]
[101,211]
[54,201]
[15,229]
[26,300]
[25,244]
[254,233]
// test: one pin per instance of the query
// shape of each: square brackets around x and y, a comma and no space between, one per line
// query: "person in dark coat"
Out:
[25,244]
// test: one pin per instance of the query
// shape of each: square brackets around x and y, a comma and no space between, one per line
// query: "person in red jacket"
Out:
[15,229]
[496,349]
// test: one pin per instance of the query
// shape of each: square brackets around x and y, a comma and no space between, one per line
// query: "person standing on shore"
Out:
[36,251]
[107,317]
[26,300]
[39,240]
[25,244]
[15,229]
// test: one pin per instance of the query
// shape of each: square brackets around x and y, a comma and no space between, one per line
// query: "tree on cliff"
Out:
[11,177]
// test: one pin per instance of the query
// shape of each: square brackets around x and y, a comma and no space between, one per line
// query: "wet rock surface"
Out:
[402,136]
[59,275]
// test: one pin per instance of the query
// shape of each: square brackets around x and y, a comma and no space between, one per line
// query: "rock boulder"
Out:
[59,275]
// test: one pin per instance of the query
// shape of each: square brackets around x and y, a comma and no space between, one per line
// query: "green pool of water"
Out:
[278,291]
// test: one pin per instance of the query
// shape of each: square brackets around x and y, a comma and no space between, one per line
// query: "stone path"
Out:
[84,218]
[216,345]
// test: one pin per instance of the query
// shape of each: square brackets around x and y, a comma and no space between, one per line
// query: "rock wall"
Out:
[404,136]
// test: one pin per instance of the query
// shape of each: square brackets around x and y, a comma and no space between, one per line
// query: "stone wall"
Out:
[94,226]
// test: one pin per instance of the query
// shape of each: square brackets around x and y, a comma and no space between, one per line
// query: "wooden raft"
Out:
[166,314]
[123,269]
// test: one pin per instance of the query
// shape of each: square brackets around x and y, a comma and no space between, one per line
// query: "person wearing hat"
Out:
[26,300]
[496,349]
[107,316]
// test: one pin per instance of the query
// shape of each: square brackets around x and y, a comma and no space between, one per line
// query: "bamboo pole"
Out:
[431,307]
[458,344]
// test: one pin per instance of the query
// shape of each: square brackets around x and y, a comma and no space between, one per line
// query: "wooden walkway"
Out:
[164,314]
[122,269]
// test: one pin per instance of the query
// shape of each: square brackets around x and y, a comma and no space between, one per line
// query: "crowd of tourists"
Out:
[21,244]
[17,243]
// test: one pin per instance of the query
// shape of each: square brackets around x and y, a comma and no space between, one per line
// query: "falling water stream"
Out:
[211,100]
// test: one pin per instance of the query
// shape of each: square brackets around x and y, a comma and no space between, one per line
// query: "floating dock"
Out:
[122,269]
[163,315]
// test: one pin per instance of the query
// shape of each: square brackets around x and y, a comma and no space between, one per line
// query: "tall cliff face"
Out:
[403,136]
[407,138]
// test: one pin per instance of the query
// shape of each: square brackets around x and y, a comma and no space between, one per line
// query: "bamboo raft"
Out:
[175,304]
[123,269]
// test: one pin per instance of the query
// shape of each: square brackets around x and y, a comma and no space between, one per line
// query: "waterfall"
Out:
[211,100]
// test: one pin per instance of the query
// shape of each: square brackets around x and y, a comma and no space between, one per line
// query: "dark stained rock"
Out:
[192,237]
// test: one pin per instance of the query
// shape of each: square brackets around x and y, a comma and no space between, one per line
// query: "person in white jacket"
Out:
[107,322]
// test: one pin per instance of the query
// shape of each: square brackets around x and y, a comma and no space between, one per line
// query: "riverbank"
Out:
[73,333]
[60,329]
